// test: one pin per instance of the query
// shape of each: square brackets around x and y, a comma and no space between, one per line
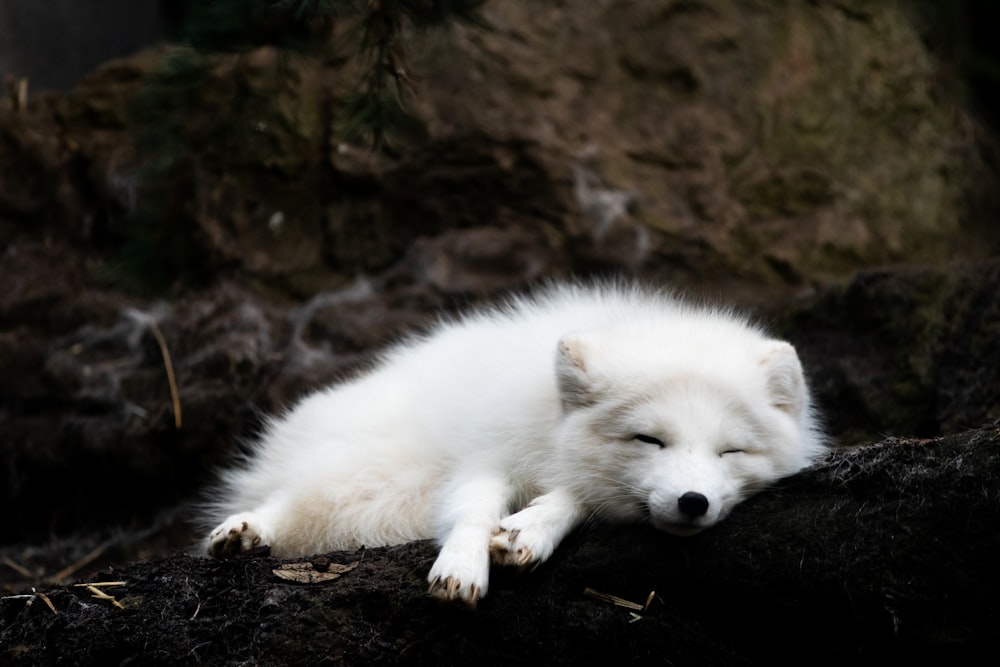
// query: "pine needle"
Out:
[171,380]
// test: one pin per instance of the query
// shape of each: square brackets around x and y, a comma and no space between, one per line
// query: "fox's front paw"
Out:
[524,539]
[458,576]
[240,532]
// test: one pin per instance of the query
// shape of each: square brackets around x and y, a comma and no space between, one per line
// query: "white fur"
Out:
[500,432]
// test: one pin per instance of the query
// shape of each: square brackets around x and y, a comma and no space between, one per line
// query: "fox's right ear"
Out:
[577,388]
[786,383]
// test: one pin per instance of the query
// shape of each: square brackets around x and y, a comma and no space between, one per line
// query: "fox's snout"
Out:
[692,504]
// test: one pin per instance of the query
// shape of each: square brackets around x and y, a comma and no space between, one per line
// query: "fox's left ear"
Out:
[577,386]
[786,384]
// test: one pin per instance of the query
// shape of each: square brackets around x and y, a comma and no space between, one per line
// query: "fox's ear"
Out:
[786,384]
[576,382]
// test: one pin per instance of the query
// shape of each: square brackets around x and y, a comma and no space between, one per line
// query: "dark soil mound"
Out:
[885,552]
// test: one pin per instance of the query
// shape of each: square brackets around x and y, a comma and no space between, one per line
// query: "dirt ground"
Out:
[886,552]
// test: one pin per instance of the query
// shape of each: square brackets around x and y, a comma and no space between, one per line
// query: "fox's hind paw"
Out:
[240,532]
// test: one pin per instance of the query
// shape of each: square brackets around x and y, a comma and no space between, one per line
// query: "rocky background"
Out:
[182,252]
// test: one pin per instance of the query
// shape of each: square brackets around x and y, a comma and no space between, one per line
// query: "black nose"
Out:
[693,504]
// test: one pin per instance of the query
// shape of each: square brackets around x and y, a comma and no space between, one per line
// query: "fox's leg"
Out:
[470,511]
[530,536]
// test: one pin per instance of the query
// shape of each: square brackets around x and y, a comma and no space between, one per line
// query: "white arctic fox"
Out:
[501,431]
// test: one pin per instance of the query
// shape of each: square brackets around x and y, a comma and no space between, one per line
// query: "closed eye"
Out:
[733,451]
[650,439]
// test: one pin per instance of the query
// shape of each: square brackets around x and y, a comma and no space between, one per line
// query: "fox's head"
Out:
[681,440]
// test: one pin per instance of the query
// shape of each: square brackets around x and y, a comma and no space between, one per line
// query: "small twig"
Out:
[83,562]
[99,584]
[47,601]
[615,600]
[171,380]
[97,593]
[17,567]
[193,651]
[196,609]
[30,598]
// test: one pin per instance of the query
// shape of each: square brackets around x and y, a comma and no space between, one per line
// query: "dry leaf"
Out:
[307,573]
